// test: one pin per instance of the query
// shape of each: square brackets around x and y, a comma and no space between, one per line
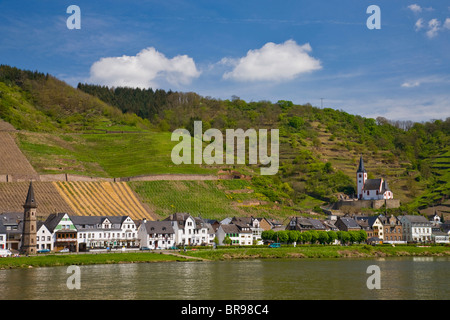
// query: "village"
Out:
[21,233]
[24,233]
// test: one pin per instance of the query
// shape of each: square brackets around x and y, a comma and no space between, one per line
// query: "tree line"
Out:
[315,236]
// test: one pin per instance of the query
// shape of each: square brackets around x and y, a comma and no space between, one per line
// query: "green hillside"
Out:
[320,148]
[120,132]
[39,102]
[103,155]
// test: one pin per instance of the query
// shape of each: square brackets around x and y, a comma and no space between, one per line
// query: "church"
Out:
[371,189]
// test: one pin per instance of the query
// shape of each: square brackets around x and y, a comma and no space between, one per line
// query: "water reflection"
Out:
[402,278]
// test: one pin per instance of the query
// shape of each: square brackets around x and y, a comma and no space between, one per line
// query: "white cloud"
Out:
[146,69]
[419,24]
[447,23]
[273,62]
[411,84]
[415,8]
[433,28]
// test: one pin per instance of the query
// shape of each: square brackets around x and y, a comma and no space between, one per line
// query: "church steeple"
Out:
[30,202]
[361,165]
[361,177]
[29,223]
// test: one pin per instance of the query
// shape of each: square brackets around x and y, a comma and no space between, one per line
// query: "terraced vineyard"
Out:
[216,199]
[440,166]
[102,199]
[49,200]
[12,160]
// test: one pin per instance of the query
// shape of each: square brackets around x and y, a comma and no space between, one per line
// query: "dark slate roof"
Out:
[372,184]
[161,227]
[272,222]
[229,228]
[303,222]
[365,221]
[83,221]
[242,220]
[349,222]
[417,219]
[385,187]
[11,218]
[2,228]
[330,225]
[317,225]
[180,218]
[361,165]
[39,224]
[30,202]
[52,220]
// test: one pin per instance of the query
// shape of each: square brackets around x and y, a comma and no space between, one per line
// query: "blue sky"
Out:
[258,50]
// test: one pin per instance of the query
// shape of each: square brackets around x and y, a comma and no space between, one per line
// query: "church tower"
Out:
[29,223]
[361,177]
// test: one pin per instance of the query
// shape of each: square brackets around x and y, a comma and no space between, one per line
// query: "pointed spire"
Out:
[30,202]
[361,165]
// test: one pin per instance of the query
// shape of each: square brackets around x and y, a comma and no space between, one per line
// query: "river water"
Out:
[421,278]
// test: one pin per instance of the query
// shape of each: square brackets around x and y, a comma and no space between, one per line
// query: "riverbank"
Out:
[288,252]
[54,260]
[354,251]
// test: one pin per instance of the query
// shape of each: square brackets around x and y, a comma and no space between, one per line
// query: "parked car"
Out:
[173,248]
[274,245]
[43,250]
[5,253]
[144,248]
[64,250]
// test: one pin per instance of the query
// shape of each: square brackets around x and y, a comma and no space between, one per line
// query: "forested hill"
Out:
[35,101]
[320,147]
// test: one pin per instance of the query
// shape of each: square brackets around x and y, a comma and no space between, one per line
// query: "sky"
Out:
[326,53]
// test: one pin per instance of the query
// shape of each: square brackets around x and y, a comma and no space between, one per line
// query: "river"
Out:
[421,278]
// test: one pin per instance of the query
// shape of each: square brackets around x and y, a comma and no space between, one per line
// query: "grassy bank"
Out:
[52,260]
[354,251]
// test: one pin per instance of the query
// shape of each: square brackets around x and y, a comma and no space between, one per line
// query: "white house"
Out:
[156,234]
[63,231]
[416,228]
[371,189]
[239,236]
[106,232]
[189,230]
[245,223]
[44,238]
[438,236]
